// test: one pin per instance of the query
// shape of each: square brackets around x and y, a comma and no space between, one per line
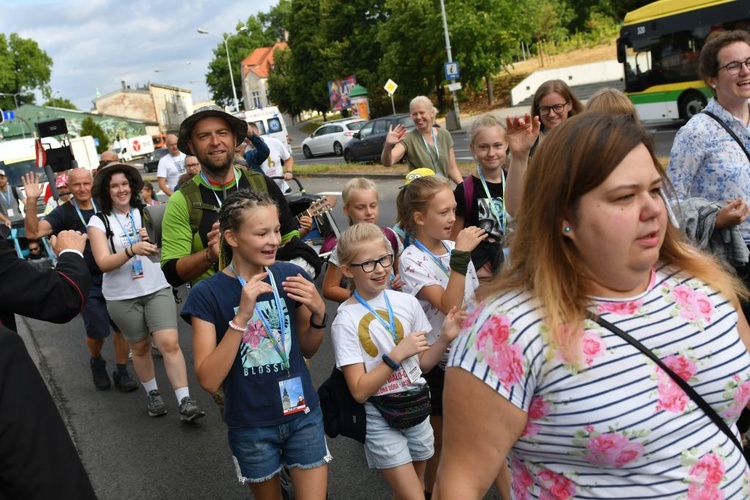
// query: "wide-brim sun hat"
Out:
[105,174]
[238,126]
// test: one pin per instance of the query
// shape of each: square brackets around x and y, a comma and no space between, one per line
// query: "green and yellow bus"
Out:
[659,46]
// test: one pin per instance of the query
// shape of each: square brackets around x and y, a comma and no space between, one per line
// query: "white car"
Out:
[331,137]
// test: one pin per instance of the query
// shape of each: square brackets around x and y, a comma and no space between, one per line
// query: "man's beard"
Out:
[217,169]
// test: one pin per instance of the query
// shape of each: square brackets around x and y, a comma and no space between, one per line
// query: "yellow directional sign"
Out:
[390,86]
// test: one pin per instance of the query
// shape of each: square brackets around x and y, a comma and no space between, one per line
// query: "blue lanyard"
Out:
[78,210]
[500,218]
[7,198]
[236,184]
[132,240]
[429,150]
[434,258]
[278,344]
[390,326]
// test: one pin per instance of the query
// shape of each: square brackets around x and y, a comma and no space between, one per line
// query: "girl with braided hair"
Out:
[252,324]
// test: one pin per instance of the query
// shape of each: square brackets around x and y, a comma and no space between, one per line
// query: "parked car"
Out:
[331,137]
[367,143]
[151,163]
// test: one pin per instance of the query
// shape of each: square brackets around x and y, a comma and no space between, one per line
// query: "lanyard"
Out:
[278,344]
[78,210]
[236,184]
[7,198]
[500,218]
[132,240]
[390,326]
[433,257]
[429,149]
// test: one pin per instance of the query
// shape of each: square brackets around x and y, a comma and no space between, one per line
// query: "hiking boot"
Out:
[189,411]
[99,373]
[156,406]
[123,381]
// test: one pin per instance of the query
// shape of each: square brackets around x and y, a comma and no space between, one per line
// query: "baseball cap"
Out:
[417,173]
[2,172]
[238,126]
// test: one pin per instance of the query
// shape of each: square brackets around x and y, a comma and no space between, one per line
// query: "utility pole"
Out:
[450,59]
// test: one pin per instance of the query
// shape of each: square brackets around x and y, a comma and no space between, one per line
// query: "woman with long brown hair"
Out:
[541,378]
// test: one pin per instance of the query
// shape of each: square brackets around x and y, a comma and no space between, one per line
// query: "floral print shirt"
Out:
[706,162]
[614,425]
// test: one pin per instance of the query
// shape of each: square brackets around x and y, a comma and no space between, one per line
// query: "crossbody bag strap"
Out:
[729,131]
[676,378]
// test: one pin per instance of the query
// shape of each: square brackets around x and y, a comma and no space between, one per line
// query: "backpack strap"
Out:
[468,197]
[107,230]
[390,235]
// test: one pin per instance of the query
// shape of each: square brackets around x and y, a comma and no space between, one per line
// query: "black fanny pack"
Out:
[404,409]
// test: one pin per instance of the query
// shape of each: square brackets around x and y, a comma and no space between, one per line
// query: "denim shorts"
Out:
[260,452]
[386,447]
[96,319]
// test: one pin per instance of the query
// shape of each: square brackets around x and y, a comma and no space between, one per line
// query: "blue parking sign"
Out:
[451,71]
[9,115]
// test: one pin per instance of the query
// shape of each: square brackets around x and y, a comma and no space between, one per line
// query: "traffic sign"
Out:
[454,86]
[451,71]
[390,86]
[9,115]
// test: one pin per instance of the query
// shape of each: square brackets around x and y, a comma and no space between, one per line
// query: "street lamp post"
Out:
[450,58]
[15,101]
[229,62]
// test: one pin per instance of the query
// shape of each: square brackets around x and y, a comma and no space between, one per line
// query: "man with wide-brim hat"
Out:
[190,229]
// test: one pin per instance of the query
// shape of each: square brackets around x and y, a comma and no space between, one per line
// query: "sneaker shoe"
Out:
[123,381]
[156,406]
[189,411]
[99,373]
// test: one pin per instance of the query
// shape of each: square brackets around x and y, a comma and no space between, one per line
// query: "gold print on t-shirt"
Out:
[365,338]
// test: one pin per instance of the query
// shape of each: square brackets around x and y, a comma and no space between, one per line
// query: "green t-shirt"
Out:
[419,155]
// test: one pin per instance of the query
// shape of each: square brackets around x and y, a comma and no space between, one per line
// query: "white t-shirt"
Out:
[358,337]
[119,284]
[274,164]
[418,270]
[171,168]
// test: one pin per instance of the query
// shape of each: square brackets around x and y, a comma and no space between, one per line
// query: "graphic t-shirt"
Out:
[484,216]
[171,168]
[359,337]
[274,164]
[252,390]
[616,425]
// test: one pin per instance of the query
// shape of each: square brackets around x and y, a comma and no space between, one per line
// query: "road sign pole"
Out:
[450,58]
[392,104]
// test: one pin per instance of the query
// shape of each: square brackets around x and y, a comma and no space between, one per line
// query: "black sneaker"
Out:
[99,373]
[123,381]
[156,406]
[189,410]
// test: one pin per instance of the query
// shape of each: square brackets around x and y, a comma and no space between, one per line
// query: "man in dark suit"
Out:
[37,457]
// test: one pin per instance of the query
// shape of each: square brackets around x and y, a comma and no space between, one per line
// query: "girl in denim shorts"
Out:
[380,341]
[252,324]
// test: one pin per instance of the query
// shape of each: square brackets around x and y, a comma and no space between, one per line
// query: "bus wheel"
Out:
[691,103]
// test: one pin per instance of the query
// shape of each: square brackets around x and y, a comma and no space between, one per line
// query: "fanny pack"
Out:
[404,409]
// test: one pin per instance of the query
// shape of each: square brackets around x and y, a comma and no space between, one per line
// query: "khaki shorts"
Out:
[143,315]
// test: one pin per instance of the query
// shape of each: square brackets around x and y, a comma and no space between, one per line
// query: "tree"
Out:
[23,67]
[281,84]
[60,102]
[90,127]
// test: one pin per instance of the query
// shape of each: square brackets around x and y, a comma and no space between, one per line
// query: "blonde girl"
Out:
[252,324]
[383,363]
[360,205]
[437,271]
[486,189]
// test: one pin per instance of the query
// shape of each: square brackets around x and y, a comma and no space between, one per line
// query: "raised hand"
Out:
[452,322]
[523,132]
[303,291]
[395,135]
[469,238]
[31,185]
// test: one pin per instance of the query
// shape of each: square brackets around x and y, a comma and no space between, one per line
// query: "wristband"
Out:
[324,322]
[235,327]
[129,252]
[287,171]
[460,261]
[388,361]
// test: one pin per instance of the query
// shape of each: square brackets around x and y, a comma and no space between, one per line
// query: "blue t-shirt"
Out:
[251,390]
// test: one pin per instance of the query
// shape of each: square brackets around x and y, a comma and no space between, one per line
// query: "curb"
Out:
[351,174]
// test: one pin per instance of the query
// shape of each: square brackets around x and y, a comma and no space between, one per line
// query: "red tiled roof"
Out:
[260,61]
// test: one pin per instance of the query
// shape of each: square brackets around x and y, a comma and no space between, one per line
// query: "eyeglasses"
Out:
[368,266]
[557,109]
[733,68]
[196,164]
[171,144]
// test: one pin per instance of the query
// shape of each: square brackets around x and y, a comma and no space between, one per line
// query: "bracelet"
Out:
[460,261]
[320,327]
[388,361]
[235,327]
[129,254]
[287,171]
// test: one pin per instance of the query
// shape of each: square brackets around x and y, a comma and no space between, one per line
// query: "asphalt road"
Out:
[129,455]
[663,133]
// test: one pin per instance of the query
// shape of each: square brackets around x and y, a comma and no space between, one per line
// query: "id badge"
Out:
[292,396]
[11,213]
[411,366]
[136,269]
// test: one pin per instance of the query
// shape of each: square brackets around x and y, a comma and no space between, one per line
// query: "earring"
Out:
[567,229]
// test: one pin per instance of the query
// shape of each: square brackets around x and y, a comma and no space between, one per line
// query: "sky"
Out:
[96,44]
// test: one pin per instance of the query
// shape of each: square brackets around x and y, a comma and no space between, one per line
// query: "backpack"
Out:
[342,415]
[468,197]
[108,229]
[192,193]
